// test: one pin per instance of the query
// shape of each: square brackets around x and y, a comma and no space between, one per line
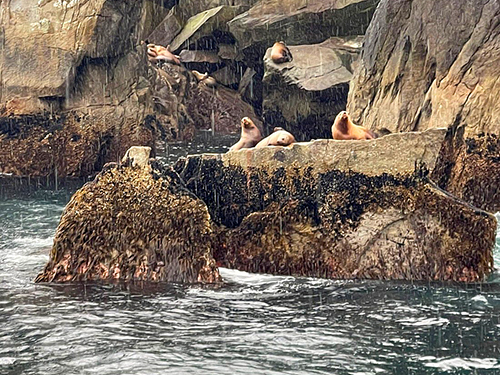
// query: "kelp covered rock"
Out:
[469,168]
[133,223]
[341,209]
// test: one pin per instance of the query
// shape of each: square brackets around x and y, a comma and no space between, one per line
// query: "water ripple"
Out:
[255,324]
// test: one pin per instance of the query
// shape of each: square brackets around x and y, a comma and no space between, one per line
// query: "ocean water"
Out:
[255,324]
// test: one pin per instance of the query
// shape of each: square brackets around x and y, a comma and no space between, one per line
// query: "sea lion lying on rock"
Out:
[205,78]
[280,137]
[250,135]
[280,53]
[159,53]
[344,129]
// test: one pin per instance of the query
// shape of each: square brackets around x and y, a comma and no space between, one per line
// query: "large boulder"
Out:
[134,222]
[189,8]
[304,95]
[430,63]
[299,22]
[342,209]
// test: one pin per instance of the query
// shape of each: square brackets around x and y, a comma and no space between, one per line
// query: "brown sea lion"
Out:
[205,78]
[344,129]
[159,53]
[250,135]
[280,53]
[280,137]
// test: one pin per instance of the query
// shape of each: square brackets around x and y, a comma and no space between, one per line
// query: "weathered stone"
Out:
[300,21]
[133,224]
[205,24]
[189,8]
[43,44]
[469,168]
[226,76]
[137,156]
[304,95]
[342,209]
[430,64]
[199,56]
[166,30]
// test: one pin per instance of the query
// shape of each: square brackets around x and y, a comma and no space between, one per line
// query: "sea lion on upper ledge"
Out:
[280,137]
[344,129]
[250,135]
[159,53]
[280,53]
[205,78]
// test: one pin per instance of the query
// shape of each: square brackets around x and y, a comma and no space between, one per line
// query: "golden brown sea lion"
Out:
[250,135]
[280,53]
[205,78]
[279,137]
[344,129]
[159,53]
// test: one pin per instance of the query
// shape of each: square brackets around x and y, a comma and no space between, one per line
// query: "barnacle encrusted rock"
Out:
[133,223]
[342,209]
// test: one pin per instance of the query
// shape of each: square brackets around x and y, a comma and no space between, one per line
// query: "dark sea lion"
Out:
[250,135]
[159,53]
[280,53]
[279,137]
[344,129]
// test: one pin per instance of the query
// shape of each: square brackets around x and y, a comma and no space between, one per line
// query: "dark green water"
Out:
[256,324]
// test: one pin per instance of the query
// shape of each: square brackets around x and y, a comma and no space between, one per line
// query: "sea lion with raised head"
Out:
[344,129]
[279,137]
[159,53]
[205,78]
[280,53]
[250,135]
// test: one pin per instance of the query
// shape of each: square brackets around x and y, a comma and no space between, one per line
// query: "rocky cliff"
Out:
[430,63]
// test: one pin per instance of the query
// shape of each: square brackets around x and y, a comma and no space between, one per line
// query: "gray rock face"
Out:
[300,22]
[342,209]
[304,95]
[430,63]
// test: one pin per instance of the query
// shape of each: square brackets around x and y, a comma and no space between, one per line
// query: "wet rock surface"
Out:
[304,95]
[469,168]
[133,223]
[78,93]
[337,209]
[429,64]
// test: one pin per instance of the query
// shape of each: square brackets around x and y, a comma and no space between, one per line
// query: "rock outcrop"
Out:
[304,95]
[134,222]
[299,22]
[469,168]
[430,63]
[342,209]
[78,91]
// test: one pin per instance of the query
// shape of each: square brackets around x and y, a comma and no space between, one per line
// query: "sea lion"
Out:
[344,129]
[279,137]
[250,135]
[280,53]
[159,53]
[205,78]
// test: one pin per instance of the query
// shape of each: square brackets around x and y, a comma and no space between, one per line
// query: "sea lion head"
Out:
[285,138]
[247,123]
